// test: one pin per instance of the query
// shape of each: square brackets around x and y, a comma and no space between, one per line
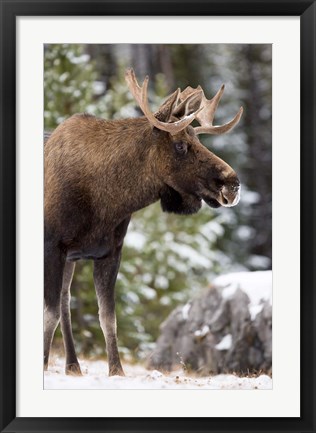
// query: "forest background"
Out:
[168,259]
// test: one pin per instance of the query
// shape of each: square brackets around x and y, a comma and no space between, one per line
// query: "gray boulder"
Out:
[226,329]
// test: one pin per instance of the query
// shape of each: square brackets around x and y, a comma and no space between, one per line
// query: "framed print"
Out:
[215,309]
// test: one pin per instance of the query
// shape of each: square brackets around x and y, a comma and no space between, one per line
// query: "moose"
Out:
[99,172]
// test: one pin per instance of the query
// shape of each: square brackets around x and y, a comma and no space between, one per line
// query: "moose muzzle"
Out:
[230,195]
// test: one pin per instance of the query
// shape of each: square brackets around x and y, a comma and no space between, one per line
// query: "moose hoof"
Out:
[115,371]
[73,370]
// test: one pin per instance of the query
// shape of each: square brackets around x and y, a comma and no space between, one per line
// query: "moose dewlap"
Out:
[98,172]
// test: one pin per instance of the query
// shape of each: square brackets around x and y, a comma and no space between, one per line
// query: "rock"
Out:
[227,329]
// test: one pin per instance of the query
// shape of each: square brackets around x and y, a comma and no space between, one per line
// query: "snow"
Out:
[132,297]
[250,197]
[147,292]
[161,282]
[258,262]
[245,232]
[98,87]
[137,377]
[225,343]
[127,111]
[212,230]
[185,311]
[155,374]
[230,290]
[64,77]
[202,332]
[188,253]
[83,58]
[164,300]
[257,285]
[135,240]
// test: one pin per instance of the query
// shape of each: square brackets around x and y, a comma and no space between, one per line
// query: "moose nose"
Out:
[230,195]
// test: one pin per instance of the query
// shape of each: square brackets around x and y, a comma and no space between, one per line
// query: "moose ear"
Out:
[166,109]
[174,108]
[191,104]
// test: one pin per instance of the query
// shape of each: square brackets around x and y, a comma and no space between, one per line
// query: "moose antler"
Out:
[190,107]
[206,116]
[181,108]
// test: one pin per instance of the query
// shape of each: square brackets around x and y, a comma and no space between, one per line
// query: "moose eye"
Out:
[180,147]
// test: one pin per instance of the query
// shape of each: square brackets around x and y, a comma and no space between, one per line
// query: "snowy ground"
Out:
[257,285]
[137,377]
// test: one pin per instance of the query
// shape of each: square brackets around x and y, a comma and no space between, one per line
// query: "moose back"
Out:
[98,172]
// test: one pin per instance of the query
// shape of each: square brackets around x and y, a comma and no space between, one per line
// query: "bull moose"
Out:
[98,172]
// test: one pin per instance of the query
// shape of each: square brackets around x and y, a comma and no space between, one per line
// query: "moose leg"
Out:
[54,263]
[72,364]
[105,273]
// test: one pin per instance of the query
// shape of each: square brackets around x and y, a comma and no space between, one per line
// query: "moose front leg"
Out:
[105,273]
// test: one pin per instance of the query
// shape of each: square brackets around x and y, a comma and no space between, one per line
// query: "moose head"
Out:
[190,172]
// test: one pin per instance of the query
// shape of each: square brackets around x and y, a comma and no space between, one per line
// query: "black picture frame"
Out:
[10,9]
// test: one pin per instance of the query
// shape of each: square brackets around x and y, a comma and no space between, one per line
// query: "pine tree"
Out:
[69,82]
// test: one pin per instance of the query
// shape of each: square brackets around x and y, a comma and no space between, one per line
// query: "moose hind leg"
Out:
[51,320]
[105,272]
[53,275]
[72,364]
